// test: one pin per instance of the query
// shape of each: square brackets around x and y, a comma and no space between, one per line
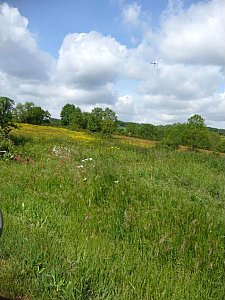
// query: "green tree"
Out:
[31,114]
[109,121]
[37,116]
[85,118]
[132,129]
[196,133]
[66,113]
[147,131]
[108,127]
[76,119]
[104,121]
[196,121]
[95,119]
[6,116]
[174,136]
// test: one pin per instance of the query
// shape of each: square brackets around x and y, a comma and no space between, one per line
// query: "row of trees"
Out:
[31,114]
[22,113]
[194,134]
[98,120]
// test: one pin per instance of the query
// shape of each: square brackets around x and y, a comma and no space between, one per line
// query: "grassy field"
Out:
[92,218]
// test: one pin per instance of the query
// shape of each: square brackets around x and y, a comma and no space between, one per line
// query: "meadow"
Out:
[93,218]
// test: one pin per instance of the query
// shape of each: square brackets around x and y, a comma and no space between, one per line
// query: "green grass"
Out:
[133,223]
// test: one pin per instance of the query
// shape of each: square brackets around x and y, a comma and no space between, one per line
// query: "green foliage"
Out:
[66,113]
[108,127]
[220,145]
[6,116]
[76,119]
[99,120]
[95,119]
[31,114]
[196,121]
[104,121]
[6,145]
[196,133]
[175,136]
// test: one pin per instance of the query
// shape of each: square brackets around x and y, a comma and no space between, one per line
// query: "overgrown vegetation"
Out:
[193,134]
[99,219]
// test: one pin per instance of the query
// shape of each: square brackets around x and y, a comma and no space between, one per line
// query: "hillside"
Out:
[93,218]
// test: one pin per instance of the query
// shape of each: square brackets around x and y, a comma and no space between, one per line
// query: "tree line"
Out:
[193,133]
[98,120]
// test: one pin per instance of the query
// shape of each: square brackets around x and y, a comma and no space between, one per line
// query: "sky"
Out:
[100,53]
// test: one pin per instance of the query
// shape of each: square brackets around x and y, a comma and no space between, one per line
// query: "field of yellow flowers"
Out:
[50,132]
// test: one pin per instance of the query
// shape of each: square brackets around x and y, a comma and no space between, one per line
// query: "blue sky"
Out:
[51,20]
[100,52]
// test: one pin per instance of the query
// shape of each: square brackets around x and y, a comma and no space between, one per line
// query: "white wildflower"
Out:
[87,159]
[80,167]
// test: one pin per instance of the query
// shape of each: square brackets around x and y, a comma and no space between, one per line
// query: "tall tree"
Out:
[197,134]
[6,115]
[104,121]
[197,121]
[31,114]
[66,113]
[95,119]
[76,119]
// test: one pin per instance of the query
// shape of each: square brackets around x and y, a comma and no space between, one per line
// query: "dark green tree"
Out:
[95,119]
[174,136]
[85,117]
[108,127]
[31,114]
[37,116]
[66,113]
[104,121]
[109,121]
[147,131]
[76,119]
[196,134]
[6,116]
[196,121]
[132,129]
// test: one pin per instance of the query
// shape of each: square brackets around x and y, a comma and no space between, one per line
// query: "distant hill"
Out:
[55,122]
[217,130]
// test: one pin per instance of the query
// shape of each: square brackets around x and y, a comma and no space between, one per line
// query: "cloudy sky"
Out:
[100,53]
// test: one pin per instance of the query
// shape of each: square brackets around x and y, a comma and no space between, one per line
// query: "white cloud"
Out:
[19,54]
[89,60]
[131,13]
[195,35]
[125,107]
[185,82]
[88,66]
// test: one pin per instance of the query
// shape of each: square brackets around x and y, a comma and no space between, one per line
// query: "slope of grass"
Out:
[103,220]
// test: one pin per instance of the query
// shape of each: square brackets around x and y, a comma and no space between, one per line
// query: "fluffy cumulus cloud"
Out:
[19,54]
[189,75]
[94,69]
[89,64]
[90,60]
[195,35]
[84,74]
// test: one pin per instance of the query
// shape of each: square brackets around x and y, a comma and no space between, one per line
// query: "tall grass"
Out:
[132,223]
